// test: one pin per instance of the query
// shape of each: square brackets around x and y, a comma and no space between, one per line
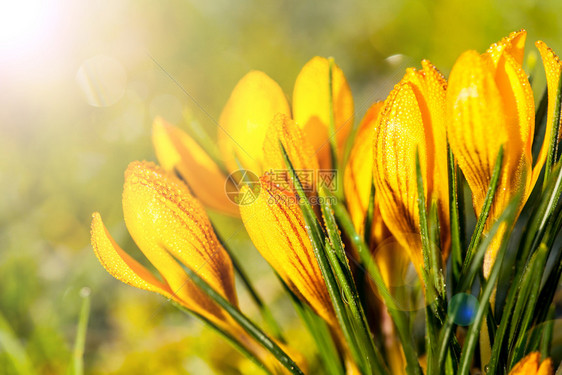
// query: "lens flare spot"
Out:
[463,309]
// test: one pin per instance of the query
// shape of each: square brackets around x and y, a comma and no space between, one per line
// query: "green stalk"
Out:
[265,312]
[253,330]
[481,223]
[399,318]
[80,342]
[552,155]
[340,266]
[535,233]
[467,278]
[537,265]
[433,299]
[11,346]
[474,330]
[456,243]
[233,341]
[318,245]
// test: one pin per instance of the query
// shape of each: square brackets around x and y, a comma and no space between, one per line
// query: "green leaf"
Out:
[80,341]
[467,278]
[474,330]
[318,245]
[552,155]
[232,340]
[15,351]
[340,266]
[456,234]
[477,235]
[400,318]
[265,312]
[245,323]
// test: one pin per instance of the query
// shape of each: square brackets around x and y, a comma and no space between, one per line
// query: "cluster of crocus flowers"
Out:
[244,125]
[486,104]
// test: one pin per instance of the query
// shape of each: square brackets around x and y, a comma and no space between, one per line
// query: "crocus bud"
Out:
[311,106]
[254,102]
[170,227]
[490,104]
[412,119]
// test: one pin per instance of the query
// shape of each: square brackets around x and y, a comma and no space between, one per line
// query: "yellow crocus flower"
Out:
[531,365]
[169,226]
[275,224]
[257,99]
[412,119]
[311,107]
[243,125]
[489,104]
[254,102]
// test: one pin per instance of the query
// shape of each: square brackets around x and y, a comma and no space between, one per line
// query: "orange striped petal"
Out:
[276,226]
[476,121]
[359,170]
[553,68]
[120,264]
[177,151]
[254,102]
[430,88]
[311,106]
[399,132]
[283,129]
[169,226]
[513,44]
[529,365]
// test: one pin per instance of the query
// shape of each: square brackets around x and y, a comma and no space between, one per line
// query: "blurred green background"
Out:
[79,91]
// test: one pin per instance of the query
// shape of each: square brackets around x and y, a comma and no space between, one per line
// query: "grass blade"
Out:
[245,323]
[400,318]
[80,342]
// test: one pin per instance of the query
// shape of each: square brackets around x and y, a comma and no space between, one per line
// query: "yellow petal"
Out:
[120,264]
[513,44]
[359,169]
[430,87]
[399,132]
[552,67]
[529,365]
[311,106]
[489,105]
[170,226]
[476,122]
[546,367]
[254,102]
[276,226]
[177,151]
[283,129]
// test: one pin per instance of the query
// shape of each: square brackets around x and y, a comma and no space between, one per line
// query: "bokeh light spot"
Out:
[462,308]
[103,80]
